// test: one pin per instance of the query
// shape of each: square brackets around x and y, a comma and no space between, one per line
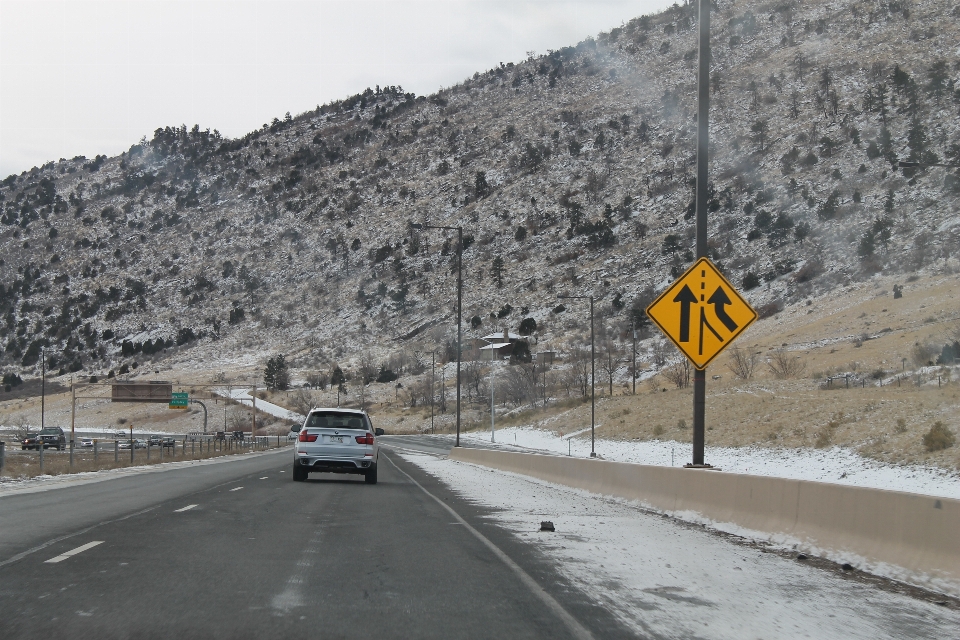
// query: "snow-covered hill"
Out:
[570,172]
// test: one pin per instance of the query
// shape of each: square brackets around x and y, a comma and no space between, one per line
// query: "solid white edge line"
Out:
[73,552]
[186,508]
[236,489]
[577,629]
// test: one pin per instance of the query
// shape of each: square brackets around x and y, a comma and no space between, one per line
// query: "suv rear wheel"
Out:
[299,473]
[370,477]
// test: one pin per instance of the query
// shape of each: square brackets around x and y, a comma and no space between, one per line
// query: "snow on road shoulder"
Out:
[665,579]
[835,465]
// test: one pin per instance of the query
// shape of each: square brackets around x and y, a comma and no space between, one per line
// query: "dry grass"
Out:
[26,464]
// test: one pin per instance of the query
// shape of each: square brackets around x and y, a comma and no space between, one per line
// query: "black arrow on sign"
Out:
[718,300]
[685,298]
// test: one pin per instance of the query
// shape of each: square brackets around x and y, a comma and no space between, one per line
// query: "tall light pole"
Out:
[593,388]
[459,230]
[634,356]
[43,383]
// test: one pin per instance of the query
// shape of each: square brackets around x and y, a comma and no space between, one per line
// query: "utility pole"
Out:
[634,356]
[703,144]
[43,384]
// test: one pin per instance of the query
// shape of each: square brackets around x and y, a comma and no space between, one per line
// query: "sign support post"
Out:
[703,144]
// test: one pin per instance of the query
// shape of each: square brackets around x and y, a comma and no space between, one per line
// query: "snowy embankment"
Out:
[642,568]
[836,465]
[243,397]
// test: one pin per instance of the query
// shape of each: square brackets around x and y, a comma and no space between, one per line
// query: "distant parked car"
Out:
[124,444]
[120,434]
[154,441]
[169,442]
[140,444]
[29,442]
[86,443]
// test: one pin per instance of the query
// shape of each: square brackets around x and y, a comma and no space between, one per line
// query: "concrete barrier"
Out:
[903,535]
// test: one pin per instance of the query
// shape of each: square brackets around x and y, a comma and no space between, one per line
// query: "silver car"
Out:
[337,441]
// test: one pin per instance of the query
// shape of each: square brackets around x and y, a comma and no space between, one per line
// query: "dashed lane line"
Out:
[73,552]
[264,477]
[186,508]
[236,489]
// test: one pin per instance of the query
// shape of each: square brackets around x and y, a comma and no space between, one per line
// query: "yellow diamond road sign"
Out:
[701,313]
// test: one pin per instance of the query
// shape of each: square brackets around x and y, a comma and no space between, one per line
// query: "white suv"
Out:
[337,441]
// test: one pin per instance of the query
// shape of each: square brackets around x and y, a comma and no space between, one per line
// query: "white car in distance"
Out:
[336,441]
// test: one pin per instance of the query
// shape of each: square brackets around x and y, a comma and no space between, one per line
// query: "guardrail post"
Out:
[116,451]
[2,454]
[71,454]
[148,452]
[40,446]
[95,443]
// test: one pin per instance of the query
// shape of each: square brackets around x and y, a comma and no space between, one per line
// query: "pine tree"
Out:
[496,271]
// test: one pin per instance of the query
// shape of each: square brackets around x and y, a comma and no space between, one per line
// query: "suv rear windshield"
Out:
[337,420]
[50,431]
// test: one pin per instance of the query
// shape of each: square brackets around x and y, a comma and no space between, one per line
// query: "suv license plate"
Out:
[336,438]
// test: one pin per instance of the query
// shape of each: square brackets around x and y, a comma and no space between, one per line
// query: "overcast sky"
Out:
[83,78]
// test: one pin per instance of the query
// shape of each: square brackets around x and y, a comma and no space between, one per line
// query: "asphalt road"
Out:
[238,550]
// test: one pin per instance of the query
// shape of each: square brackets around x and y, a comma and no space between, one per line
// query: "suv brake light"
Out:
[307,437]
[365,439]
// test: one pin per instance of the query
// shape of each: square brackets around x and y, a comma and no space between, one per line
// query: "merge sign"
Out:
[701,313]
[179,400]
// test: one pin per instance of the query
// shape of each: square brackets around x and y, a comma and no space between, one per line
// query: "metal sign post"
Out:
[701,312]
[703,145]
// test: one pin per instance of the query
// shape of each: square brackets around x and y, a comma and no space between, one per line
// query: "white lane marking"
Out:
[186,508]
[73,552]
[236,489]
[264,477]
[576,629]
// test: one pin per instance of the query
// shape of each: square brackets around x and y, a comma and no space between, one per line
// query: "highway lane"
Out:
[238,550]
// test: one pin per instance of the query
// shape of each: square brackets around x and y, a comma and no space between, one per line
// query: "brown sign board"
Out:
[141,392]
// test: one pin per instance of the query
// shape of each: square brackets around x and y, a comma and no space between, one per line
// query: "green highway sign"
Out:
[179,400]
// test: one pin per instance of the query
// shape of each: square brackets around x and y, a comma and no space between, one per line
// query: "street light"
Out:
[459,230]
[593,389]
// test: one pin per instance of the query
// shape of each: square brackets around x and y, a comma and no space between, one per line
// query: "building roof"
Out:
[499,336]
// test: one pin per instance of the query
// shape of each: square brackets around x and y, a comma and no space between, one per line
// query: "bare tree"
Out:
[318,380]
[303,401]
[472,375]
[238,418]
[580,368]
[21,426]
[785,365]
[678,372]
[742,363]
[659,353]
[611,360]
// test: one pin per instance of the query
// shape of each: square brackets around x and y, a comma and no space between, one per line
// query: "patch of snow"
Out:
[243,397]
[662,578]
[835,465]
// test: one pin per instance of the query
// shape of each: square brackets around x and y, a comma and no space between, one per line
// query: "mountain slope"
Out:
[574,168]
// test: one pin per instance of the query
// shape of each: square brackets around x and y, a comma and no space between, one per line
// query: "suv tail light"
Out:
[365,439]
[307,437]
